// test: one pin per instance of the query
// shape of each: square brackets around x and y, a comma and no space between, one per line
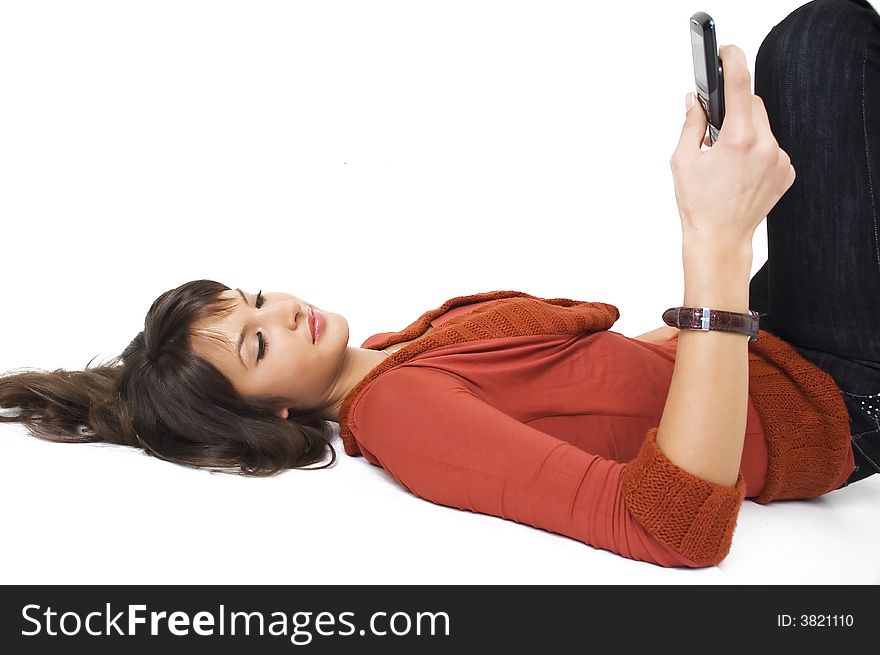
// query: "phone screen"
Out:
[701,74]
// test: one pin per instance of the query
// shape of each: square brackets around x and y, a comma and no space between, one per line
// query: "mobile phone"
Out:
[708,73]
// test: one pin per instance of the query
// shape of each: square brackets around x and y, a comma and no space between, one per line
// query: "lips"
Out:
[316,324]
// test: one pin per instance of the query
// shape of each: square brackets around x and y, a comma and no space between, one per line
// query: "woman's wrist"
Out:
[699,247]
[728,291]
[717,274]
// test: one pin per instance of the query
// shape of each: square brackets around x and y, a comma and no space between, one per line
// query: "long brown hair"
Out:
[161,396]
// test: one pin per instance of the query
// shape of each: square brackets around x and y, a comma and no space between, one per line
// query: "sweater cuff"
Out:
[692,516]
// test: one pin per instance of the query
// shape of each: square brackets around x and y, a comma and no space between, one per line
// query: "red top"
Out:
[538,428]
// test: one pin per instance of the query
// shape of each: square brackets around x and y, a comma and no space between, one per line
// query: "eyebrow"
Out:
[243,331]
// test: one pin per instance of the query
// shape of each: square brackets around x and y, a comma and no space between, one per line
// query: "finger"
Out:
[692,132]
[737,92]
[707,141]
[760,119]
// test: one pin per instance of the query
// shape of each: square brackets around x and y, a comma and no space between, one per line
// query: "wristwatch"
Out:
[705,318]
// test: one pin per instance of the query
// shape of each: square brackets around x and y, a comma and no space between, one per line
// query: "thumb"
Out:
[694,129]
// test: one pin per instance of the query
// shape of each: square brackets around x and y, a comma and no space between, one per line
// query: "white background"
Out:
[375,159]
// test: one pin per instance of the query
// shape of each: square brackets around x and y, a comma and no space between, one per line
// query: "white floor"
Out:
[97,514]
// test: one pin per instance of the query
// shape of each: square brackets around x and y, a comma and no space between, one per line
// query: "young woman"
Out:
[533,410]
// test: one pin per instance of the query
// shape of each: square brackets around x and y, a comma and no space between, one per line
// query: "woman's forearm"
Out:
[702,428]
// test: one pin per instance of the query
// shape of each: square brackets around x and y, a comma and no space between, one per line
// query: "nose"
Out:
[300,315]
[293,314]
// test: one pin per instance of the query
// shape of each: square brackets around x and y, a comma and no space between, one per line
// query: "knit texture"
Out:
[801,408]
[690,515]
[804,417]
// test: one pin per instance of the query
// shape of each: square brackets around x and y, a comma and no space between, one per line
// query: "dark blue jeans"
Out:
[818,73]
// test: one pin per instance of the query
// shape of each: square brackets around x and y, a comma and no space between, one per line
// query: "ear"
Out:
[282,413]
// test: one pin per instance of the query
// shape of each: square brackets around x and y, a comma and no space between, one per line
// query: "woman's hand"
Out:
[724,193]
[660,335]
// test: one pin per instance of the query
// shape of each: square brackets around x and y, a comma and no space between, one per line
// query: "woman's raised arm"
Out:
[723,194]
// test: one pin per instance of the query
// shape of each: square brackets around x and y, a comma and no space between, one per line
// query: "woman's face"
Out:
[277,355]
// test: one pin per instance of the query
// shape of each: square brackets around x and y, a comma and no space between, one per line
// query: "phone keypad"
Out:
[704,104]
[713,131]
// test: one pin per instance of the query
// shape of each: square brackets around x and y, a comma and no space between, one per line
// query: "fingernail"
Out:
[689,100]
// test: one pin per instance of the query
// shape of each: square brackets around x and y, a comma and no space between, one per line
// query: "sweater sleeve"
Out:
[444,444]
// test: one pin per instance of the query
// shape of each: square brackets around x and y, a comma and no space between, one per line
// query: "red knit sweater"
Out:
[666,515]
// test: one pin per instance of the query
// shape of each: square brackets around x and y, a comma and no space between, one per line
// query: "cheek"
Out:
[299,370]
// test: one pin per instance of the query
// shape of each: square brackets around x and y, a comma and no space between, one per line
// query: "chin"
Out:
[335,329]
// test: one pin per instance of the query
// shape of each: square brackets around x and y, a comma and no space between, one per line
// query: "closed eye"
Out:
[263,344]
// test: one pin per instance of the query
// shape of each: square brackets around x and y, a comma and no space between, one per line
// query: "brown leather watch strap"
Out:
[705,318]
